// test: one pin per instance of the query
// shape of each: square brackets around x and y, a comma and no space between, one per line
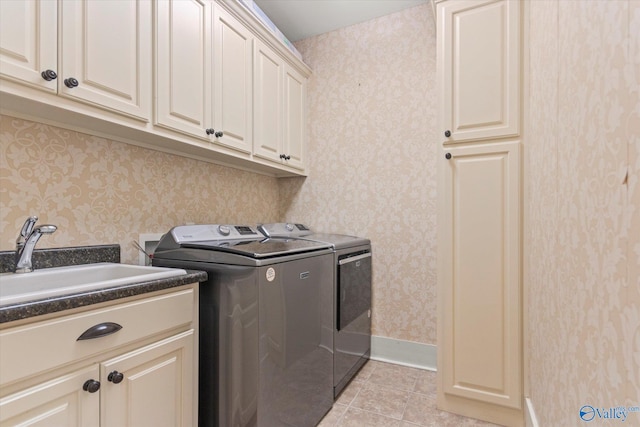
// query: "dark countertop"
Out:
[24,310]
[84,255]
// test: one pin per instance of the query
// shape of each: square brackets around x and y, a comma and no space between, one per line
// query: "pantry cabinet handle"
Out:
[99,330]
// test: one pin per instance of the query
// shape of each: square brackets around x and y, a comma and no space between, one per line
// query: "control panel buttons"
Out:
[224,230]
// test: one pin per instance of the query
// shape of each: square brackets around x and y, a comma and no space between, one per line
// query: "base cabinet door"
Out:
[479,337]
[151,386]
[59,402]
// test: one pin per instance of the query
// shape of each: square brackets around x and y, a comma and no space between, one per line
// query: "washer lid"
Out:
[263,248]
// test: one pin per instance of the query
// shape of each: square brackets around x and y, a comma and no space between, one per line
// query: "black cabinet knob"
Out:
[49,75]
[210,131]
[287,157]
[91,386]
[447,156]
[71,82]
[219,134]
[283,156]
[447,133]
[115,377]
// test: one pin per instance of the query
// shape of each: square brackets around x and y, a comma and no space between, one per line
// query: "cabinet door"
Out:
[29,41]
[479,269]
[106,47]
[156,389]
[478,68]
[295,126]
[267,115]
[183,66]
[233,64]
[59,402]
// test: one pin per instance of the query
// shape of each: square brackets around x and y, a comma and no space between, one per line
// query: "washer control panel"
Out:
[208,232]
[284,229]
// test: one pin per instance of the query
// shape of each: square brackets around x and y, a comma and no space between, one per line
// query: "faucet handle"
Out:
[27,228]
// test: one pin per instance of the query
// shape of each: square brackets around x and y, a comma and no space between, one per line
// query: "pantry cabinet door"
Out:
[29,41]
[479,69]
[183,66]
[58,402]
[106,48]
[267,119]
[156,387]
[233,67]
[479,269]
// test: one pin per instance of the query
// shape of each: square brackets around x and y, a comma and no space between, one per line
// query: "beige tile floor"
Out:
[387,395]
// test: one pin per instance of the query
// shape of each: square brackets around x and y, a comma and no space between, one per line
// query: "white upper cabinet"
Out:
[183,66]
[479,67]
[279,123]
[233,66]
[267,120]
[29,42]
[106,54]
[294,112]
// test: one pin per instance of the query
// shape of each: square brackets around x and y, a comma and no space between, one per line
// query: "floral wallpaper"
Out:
[372,119]
[582,225]
[99,191]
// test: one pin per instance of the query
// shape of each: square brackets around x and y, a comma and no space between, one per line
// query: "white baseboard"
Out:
[407,353]
[530,419]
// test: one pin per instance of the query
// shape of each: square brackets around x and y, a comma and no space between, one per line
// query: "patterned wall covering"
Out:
[372,109]
[99,191]
[582,233]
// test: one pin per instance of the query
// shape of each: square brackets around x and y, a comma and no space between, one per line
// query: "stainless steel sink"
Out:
[51,282]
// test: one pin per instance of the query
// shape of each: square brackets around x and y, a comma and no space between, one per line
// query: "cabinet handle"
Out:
[49,75]
[99,330]
[447,156]
[219,134]
[447,133]
[210,131]
[91,386]
[286,157]
[115,377]
[283,156]
[71,82]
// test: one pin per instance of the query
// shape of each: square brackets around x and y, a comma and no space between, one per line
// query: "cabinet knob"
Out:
[49,75]
[91,386]
[210,131]
[283,156]
[447,133]
[115,377]
[219,134]
[447,156]
[287,157]
[71,82]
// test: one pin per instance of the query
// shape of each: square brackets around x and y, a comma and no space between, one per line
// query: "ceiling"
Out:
[300,19]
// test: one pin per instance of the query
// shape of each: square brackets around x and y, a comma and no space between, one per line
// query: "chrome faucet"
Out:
[26,242]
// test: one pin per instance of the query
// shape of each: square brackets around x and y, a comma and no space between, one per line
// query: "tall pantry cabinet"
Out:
[480,368]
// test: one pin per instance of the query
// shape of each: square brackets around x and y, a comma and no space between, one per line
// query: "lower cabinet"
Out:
[112,381]
[479,292]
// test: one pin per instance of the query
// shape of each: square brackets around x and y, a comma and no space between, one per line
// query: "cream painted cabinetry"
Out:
[29,42]
[143,374]
[96,64]
[279,110]
[172,75]
[479,69]
[203,73]
[480,361]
